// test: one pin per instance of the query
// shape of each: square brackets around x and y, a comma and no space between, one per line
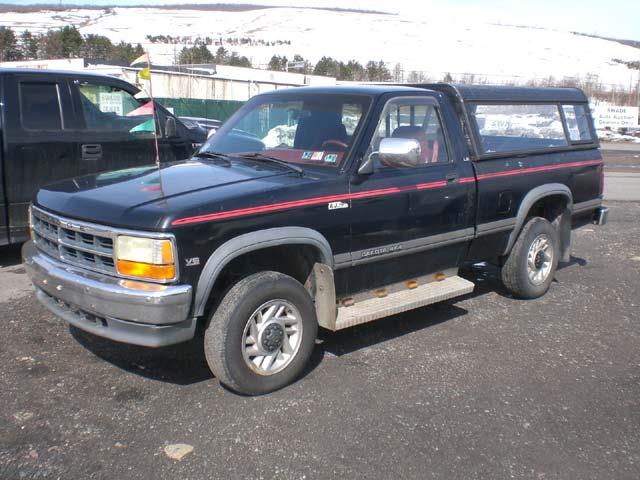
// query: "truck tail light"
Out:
[601,179]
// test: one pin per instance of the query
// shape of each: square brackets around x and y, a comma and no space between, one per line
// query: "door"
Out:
[40,141]
[411,220]
[118,130]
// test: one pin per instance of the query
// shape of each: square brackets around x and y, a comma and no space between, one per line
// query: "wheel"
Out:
[531,265]
[262,334]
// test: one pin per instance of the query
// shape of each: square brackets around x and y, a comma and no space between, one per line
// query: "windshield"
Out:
[297,128]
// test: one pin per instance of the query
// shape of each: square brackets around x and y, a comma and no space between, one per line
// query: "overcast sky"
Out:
[619,19]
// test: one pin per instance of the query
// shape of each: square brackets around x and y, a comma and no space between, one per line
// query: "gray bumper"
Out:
[600,215]
[107,306]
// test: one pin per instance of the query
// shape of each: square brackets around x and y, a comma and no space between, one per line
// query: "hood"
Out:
[145,197]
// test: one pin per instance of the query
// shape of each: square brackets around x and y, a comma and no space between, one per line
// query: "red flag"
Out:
[146,109]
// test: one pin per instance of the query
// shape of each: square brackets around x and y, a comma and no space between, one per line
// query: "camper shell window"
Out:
[506,121]
[510,128]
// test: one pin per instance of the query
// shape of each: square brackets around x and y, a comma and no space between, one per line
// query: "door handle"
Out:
[91,151]
[451,178]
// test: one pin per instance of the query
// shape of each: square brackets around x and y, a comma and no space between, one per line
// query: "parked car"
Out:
[56,125]
[320,207]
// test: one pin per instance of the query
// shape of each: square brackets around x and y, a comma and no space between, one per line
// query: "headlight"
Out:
[147,258]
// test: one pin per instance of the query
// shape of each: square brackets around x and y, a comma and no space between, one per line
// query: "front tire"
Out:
[532,262]
[262,334]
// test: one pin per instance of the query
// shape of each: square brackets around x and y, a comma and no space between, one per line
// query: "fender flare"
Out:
[250,242]
[529,200]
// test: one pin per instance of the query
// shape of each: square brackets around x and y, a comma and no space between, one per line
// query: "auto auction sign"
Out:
[615,117]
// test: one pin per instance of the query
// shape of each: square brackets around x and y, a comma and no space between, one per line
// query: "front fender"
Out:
[252,241]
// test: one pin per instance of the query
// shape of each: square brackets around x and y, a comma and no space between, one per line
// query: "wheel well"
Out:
[555,208]
[296,260]
[551,207]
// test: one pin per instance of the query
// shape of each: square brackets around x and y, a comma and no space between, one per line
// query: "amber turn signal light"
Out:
[146,270]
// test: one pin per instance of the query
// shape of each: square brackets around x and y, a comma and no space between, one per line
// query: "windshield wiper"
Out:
[260,156]
[215,156]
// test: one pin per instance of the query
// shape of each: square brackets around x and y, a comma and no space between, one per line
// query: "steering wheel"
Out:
[335,142]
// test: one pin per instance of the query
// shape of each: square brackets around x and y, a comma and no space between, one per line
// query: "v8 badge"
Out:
[192,262]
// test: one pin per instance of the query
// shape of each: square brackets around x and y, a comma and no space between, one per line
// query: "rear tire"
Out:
[532,262]
[262,334]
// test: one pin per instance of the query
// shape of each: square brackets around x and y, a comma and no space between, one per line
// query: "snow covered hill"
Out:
[434,46]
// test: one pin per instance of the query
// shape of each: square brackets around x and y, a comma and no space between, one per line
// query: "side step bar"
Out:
[402,301]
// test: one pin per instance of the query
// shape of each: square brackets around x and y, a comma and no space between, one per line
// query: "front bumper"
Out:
[138,313]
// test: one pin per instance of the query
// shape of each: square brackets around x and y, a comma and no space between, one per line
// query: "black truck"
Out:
[57,124]
[320,207]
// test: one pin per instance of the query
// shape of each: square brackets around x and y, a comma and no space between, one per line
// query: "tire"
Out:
[531,279]
[232,352]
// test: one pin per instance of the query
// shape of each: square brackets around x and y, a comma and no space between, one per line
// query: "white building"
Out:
[220,82]
[205,82]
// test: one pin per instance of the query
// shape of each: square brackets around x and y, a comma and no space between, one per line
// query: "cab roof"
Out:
[350,89]
[502,93]
[69,73]
[464,92]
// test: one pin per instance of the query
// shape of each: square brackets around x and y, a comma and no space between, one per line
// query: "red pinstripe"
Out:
[305,202]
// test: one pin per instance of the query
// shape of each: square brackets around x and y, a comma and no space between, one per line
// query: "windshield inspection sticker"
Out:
[306,155]
[331,158]
[317,155]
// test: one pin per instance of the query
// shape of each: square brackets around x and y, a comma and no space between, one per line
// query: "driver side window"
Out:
[412,119]
[113,109]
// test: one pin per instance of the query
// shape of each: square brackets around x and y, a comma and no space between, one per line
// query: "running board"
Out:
[401,301]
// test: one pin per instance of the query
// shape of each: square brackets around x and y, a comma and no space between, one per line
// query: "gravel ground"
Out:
[482,387]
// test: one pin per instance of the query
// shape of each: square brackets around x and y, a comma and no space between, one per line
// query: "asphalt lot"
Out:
[622,171]
[481,387]
[621,157]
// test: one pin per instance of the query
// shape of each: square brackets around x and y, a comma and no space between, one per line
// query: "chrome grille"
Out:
[77,243]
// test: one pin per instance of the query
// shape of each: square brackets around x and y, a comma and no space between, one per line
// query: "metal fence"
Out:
[194,107]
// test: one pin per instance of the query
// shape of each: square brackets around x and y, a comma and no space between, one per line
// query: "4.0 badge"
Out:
[337,205]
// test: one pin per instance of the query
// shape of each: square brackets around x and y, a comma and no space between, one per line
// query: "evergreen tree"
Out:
[97,49]
[221,55]
[50,45]
[195,55]
[352,70]
[8,46]
[377,72]
[238,61]
[137,51]
[328,67]
[28,45]
[72,42]
[278,63]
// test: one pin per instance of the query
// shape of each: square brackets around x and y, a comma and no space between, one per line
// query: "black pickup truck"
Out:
[58,124]
[320,207]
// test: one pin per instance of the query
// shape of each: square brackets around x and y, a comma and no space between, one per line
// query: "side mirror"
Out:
[399,152]
[170,128]
[395,153]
